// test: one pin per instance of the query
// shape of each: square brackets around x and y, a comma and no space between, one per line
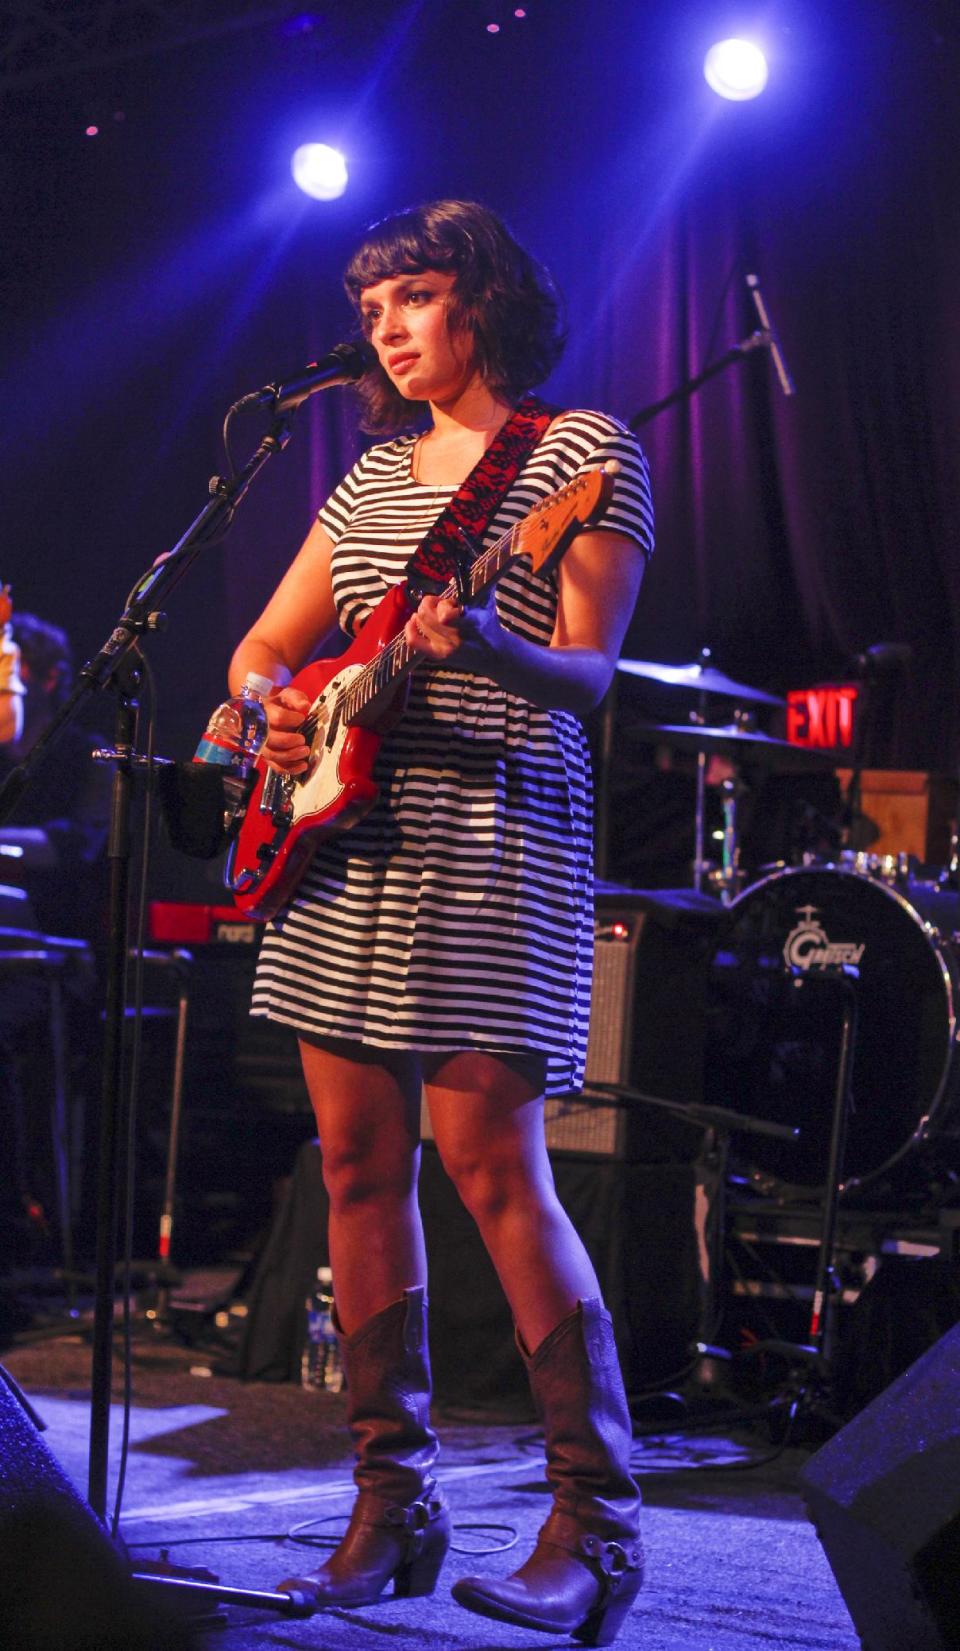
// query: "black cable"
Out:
[296,1534]
[231,467]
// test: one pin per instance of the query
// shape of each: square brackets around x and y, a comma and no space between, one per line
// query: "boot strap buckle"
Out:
[612,1558]
[415,1517]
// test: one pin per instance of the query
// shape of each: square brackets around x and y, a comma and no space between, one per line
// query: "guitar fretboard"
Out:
[397,659]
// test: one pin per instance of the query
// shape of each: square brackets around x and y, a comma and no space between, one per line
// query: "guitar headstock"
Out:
[552,524]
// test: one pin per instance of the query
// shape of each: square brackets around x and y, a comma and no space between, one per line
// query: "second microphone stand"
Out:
[117,666]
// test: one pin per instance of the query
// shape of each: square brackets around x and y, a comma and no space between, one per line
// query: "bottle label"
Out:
[210,750]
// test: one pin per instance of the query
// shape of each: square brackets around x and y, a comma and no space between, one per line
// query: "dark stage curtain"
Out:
[152,279]
[795,532]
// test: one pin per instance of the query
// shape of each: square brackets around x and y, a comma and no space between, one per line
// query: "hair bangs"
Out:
[403,244]
[501,298]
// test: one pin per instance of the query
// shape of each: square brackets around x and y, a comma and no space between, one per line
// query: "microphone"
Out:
[882,656]
[344,365]
[771,340]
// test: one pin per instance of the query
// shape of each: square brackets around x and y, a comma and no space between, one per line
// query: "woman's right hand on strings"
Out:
[285,747]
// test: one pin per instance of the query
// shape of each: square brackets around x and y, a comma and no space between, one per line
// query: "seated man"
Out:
[12,689]
[51,849]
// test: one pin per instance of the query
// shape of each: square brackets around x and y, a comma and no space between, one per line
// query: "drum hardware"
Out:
[736,744]
[846,977]
[808,1391]
[700,678]
[890,868]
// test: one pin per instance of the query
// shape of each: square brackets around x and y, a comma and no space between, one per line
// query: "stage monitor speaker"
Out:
[63,1585]
[884,1495]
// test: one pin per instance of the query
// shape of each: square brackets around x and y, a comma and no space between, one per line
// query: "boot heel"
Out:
[603,1625]
[420,1575]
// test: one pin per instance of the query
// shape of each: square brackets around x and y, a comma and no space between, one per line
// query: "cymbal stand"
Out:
[823,1311]
[698,718]
[731,788]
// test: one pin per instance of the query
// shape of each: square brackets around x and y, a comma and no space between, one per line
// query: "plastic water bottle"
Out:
[233,737]
[320,1365]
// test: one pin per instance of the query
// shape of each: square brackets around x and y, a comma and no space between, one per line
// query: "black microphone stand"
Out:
[116,666]
[759,340]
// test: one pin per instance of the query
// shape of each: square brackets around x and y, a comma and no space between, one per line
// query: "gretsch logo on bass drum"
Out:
[808,945]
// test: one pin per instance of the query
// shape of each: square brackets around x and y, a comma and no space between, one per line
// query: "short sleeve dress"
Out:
[458,913]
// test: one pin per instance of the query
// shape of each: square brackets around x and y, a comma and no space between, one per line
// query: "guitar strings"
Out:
[350,700]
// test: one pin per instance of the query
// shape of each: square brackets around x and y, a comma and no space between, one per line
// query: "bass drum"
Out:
[774,1019]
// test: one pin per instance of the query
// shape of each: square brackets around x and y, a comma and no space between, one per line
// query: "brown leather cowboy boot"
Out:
[399,1527]
[587,1566]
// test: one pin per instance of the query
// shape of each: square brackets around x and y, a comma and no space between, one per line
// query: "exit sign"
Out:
[822,718]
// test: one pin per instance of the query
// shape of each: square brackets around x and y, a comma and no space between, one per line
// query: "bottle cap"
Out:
[261,685]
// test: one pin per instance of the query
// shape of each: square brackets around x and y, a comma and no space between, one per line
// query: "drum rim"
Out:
[934,939]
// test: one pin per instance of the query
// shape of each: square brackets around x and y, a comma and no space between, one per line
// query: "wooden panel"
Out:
[913,810]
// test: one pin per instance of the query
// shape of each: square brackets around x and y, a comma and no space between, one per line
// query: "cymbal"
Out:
[701,679]
[739,744]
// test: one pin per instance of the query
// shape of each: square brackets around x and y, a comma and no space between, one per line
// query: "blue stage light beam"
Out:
[319,171]
[735,69]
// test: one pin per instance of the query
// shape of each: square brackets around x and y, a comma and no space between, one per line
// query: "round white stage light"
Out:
[735,69]
[319,171]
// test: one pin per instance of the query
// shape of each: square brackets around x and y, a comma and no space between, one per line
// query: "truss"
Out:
[42,40]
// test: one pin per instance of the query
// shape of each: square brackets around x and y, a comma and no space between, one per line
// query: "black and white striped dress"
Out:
[458,913]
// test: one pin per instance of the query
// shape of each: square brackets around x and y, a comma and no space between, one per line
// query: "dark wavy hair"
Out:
[46,652]
[502,299]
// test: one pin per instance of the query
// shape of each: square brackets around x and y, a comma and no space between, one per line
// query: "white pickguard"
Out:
[321,786]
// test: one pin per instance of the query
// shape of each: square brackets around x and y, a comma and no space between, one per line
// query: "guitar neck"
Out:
[397,660]
[543,535]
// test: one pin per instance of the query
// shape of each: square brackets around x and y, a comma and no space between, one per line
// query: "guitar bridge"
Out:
[275,797]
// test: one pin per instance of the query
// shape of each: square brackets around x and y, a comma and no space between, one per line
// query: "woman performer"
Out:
[446,940]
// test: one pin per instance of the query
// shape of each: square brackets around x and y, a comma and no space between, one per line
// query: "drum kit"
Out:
[830,1020]
[875,925]
[722,751]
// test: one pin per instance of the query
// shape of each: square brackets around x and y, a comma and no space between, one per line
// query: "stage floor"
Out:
[732,1561]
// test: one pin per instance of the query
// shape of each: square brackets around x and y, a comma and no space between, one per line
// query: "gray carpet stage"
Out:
[733,1561]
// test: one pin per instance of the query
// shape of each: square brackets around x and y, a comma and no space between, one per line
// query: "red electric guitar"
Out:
[357,697]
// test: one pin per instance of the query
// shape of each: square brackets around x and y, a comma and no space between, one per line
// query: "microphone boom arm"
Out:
[755,341]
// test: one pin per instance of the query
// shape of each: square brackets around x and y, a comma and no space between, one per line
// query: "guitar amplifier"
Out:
[646,1027]
[573,1122]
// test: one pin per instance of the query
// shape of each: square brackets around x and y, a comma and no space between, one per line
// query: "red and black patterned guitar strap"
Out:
[452,543]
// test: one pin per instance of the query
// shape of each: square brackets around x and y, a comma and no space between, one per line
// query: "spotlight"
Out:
[735,69]
[319,171]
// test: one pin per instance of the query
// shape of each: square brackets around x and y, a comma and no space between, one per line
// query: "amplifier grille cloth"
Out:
[574,1124]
